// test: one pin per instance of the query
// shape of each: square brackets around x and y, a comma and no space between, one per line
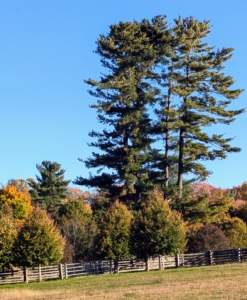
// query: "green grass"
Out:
[212,282]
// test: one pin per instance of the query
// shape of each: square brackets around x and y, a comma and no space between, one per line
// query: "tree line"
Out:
[40,228]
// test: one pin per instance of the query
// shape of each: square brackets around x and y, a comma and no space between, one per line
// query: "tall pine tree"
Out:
[204,92]
[124,95]
[163,165]
[174,73]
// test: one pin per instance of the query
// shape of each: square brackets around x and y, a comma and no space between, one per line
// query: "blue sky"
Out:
[47,51]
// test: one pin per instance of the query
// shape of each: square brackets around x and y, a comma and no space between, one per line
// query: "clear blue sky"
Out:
[47,50]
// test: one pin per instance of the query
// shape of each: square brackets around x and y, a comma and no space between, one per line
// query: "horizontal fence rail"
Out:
[120,266]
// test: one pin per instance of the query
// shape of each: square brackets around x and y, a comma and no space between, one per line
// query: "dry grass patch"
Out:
[214,282]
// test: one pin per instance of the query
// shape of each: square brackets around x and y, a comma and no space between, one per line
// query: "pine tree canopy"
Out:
[50,187]
[163,89]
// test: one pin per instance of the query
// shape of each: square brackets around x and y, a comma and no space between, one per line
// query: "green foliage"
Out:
[38,241]
[201,93]
[172,72]
[75,208]
[76,224]
[208,237]
[123,97]
[50,187]
[156,229]
[112,240]
[8,234]
[100,203]
[203,205]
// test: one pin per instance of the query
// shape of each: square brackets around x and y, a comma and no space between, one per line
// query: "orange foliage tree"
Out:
[19,202]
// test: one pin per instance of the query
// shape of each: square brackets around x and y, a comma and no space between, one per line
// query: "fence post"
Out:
[116,266]
[110,266]
[210,257]
[177,261]
[60,266]
[26,275]
[65,271]
[40,274]
[147,264]
[160,263]
[239,255]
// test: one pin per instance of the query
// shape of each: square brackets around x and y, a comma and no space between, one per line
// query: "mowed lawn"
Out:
[212,282]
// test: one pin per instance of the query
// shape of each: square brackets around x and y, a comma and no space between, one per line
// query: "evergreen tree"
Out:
[163,168]
[124,95]
[173,72]
[194,94]
[50,187]
[204,92]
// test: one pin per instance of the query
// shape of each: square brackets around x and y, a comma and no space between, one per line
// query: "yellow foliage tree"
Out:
[38,241]
[112,240]
[18,201]
[236,230]
[8,235]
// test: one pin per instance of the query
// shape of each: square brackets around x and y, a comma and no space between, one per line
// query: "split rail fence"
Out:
[119,266]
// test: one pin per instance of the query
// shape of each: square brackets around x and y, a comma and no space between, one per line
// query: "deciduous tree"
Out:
[112,240]
[236,230]
[38,241]
[8,235]
[76,224]
[156,229]
[19,202]
[208,237]
[20,184]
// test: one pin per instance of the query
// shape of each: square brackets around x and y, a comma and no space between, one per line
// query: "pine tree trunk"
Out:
[167,140]
[180,162]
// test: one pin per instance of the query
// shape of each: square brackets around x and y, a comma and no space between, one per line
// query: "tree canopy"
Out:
[38,241]
[165,71]
[19,202]
[112,240]
[156,229]
[50,187]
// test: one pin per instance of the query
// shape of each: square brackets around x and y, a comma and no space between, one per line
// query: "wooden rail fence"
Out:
[119,266]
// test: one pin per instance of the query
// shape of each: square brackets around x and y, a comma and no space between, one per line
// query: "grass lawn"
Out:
[211,282]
